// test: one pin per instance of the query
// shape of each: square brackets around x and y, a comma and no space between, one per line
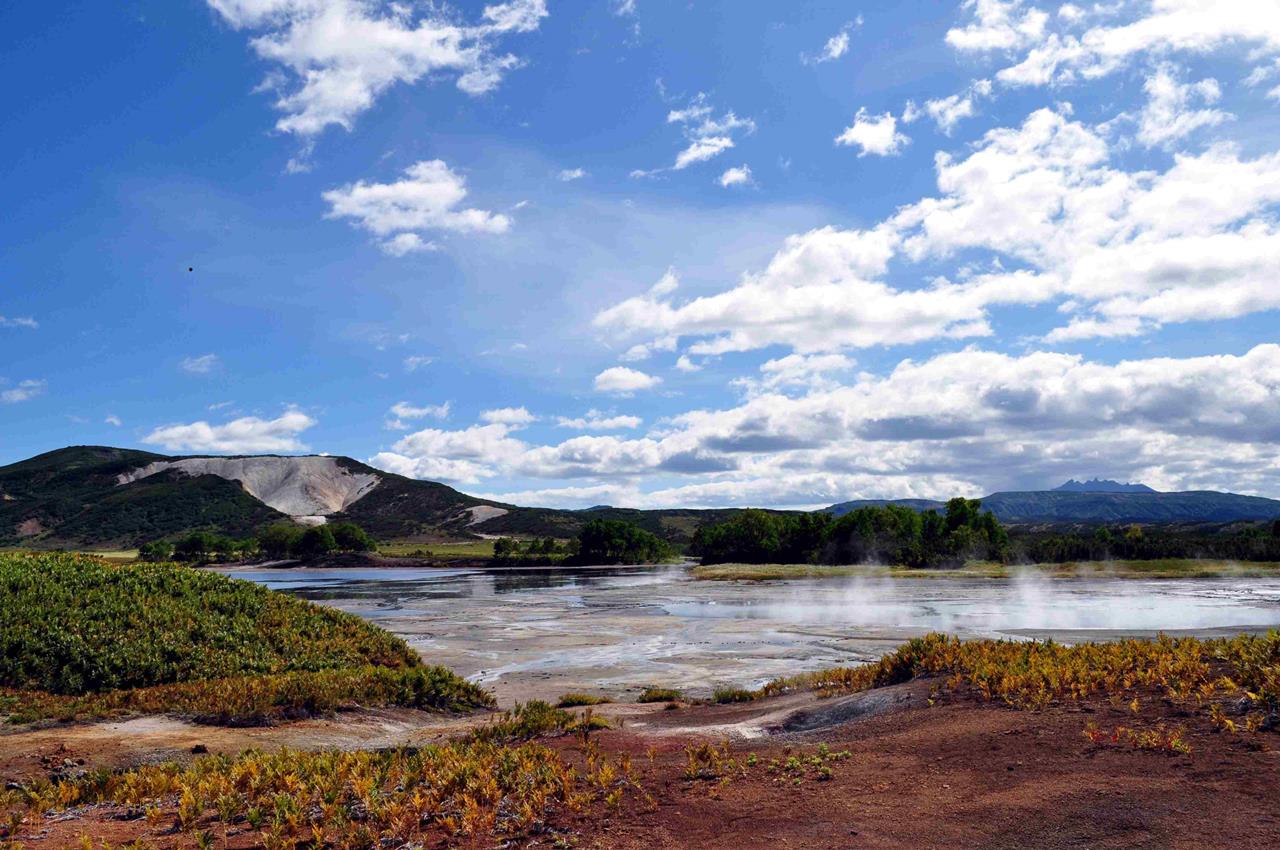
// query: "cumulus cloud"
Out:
[402,413]
[1171,111]
[18,322]
[595,420]
[427,199]
[247,435]
[568,175]
[112,420]
[23,391]
[1046,215]
[335,58]
[964,422]
[200,365]
[1063,52]
[874,134]
[949,111]
[740,176]
[621,380]
[512,417]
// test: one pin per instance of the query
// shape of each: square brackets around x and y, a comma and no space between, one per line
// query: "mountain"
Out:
[1092,507]
[94,496]
[1096,485]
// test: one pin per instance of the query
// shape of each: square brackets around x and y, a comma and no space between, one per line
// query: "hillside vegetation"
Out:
[79,634]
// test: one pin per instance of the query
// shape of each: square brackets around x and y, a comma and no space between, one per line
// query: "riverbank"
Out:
[1168,568]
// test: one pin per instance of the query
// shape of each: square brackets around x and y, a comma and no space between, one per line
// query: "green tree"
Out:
[317,540]
[608,541]
[350,537]
[279,540]
[155,551]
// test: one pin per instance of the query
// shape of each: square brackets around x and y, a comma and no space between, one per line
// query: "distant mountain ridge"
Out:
[1096,485]
[1098,507]
[97,496]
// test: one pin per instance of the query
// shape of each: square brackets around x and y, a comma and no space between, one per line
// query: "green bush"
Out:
[72,624]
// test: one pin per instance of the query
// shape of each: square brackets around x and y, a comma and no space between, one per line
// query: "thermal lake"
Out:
[537,633]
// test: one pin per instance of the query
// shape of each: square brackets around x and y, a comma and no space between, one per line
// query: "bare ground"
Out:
[959,774]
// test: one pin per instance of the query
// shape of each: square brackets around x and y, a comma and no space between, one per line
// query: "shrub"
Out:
[728,695]
[660,695]
[573,700]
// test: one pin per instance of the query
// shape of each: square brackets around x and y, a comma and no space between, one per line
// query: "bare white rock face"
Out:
[311,487]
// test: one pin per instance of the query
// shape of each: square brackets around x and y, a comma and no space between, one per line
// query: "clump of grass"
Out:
[1241,671]
[660,695]
[575,700]
[1160,738]
[728,695]
[423,797]
[536,719]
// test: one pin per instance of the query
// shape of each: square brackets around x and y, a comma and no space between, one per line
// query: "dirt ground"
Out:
[958,774]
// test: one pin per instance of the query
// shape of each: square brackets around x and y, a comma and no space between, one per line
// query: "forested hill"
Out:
[1066,506]
[100,496]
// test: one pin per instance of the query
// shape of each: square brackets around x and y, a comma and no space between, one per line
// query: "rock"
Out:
[199,750]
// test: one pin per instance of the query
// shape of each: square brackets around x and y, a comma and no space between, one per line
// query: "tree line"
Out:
[600,542]
[890,534]
[1135,543]
[282,540]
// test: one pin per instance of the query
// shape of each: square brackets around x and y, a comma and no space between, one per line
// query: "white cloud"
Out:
[836,46]
[1042,209]
[595,420]
[426,199]
[248,435]
[415,362]
[740,176]
[112,419]
[464,456]
[624,7]
[201,365]
[1171,111]
[402,413]
[809,372]
[18,322]
[623,381]
[571,174]
[512,417]
[404,244]
[999,25]
[873,134]
[949,111]
[1159,28]
[337,57]
[965,422]
[24,391]
[707,135]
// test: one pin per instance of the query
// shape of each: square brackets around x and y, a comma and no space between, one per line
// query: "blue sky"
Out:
[649,253]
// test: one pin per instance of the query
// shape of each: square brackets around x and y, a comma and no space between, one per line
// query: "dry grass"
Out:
[1215,677]
[461,549]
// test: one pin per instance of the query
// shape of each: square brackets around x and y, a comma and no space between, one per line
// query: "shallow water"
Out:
[540,632]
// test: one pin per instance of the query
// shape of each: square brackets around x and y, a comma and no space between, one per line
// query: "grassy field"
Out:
[410,549]
[81,636]
[1166,568]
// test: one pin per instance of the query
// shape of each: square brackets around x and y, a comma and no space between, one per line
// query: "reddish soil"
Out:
[955,775]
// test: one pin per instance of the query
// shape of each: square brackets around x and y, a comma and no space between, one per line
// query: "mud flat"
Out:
[538,633]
